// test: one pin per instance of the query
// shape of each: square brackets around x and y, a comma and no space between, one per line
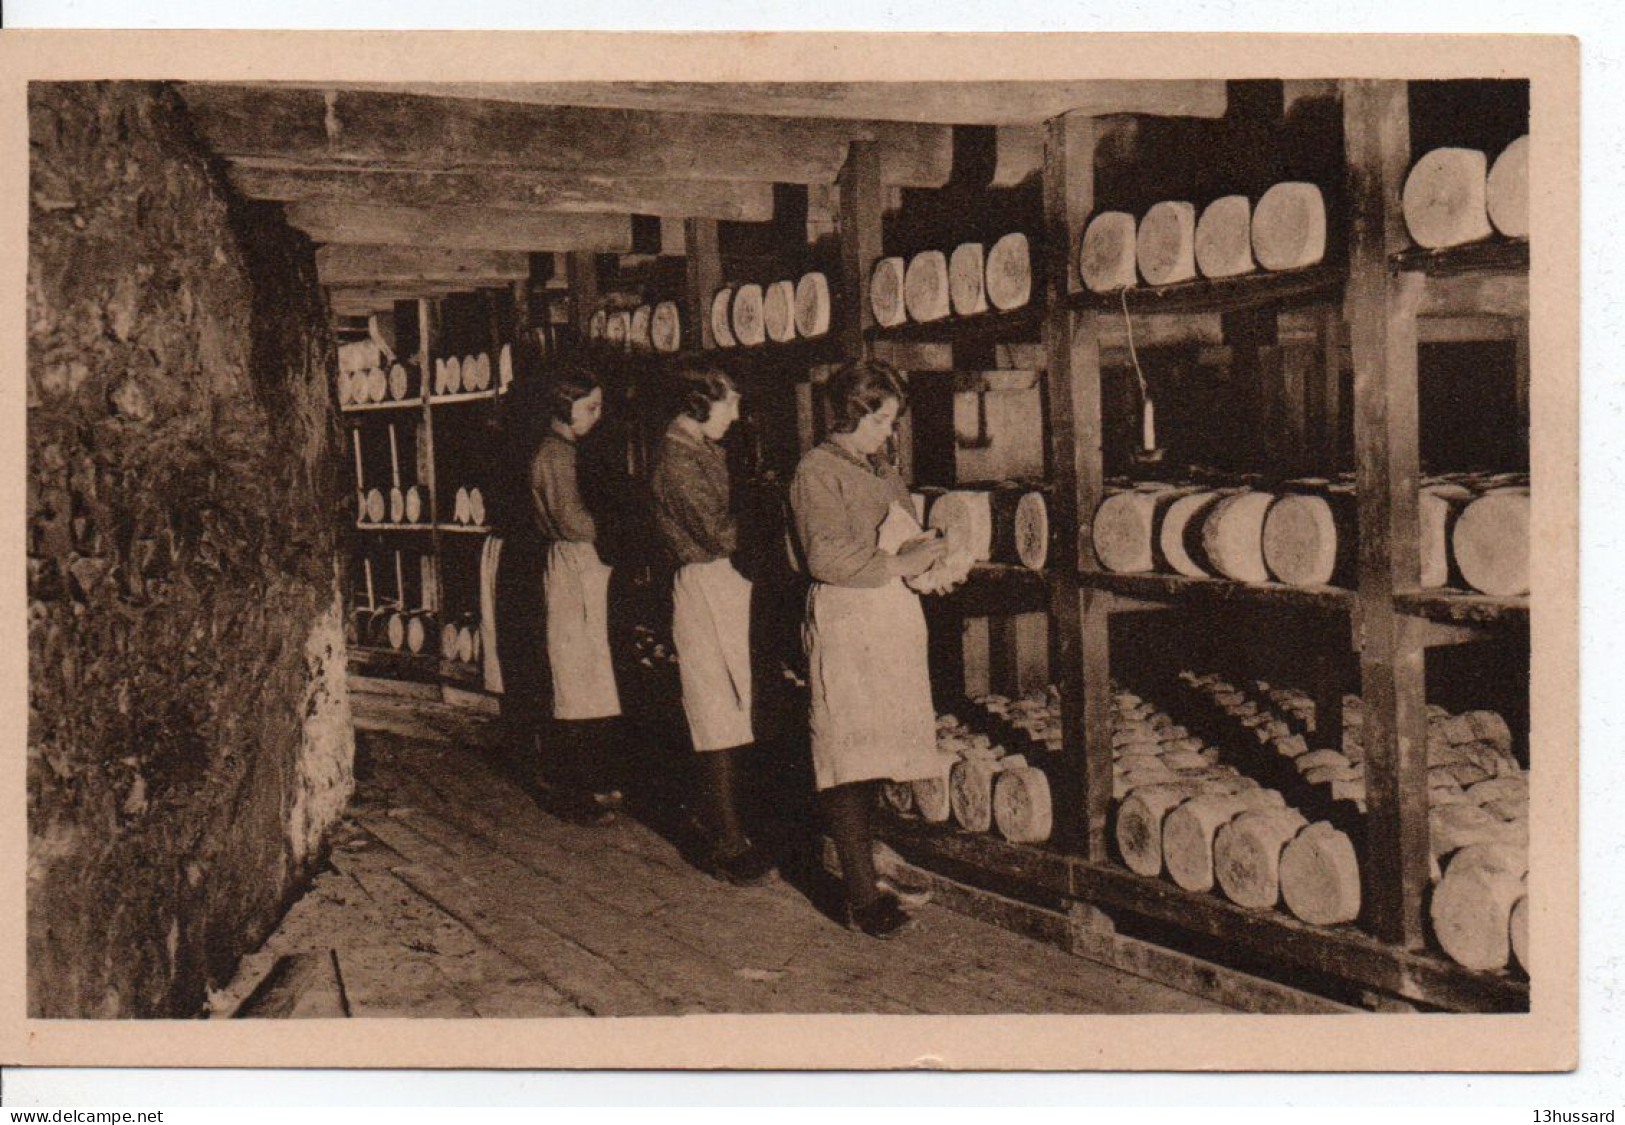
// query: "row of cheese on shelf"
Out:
[931,285]
[392,626]
[1454,196]
[376,384]
[779,312]
[472,373]
[1478,818]
[1286,230]
[657,327]
[409,505]
[979,786]
[1008,524]
[1472,530]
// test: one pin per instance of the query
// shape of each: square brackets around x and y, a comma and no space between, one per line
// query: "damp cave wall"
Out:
[189,735]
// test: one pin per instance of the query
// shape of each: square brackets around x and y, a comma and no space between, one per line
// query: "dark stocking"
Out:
[721,781]
[846,810]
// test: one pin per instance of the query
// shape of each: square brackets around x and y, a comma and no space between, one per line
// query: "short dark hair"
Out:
[567,384]
[697,385]
[859,389]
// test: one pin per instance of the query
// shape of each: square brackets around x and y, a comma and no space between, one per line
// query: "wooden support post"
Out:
[1382,310]
[1325,394]
[428,339]
[1080,656]
[581,269]
[704,264]
[860,219]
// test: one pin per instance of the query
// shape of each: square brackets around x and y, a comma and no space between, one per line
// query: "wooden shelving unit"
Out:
[1375,297]
[431,540]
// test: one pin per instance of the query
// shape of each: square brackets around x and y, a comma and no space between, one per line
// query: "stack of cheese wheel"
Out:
[1224,237]
[1165,245]
[1289,227]
[967,279]
[721,318]
[1008,524]
[886,289]
[746,315]
[1034,717]
[812,305]
[980,786]
[1309,536]
[1009,273]
[925,287]
[779,311]
[666,327]
[1445,201]
[1106,255]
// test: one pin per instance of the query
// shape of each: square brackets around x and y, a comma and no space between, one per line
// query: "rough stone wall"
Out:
[189,734]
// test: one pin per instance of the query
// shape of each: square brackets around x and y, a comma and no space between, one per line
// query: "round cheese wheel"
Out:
[1289,227]
[1507,192]
[1106,255]
[448,641]
[925,286]
[1021,805]
[618,329]
[1445,199]
[505,367]
[414,505]
[1179,536]
[460,506]
[1009,272]
[721,322]
[1491,540]
[397,382]
[415,633]
[375,505]
[1032,530]
[476,507]
[598,325]
[666,327]
[637,332]
[1233,536]
[465,644]
[812,305]
[1165,245]
[377,385]
[886,293]
[779,311]
[746,315]
[1224,237]
[967,282]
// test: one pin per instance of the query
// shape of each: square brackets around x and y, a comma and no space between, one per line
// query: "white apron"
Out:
[491,667]
[577,599]
[710,625]
[871,690]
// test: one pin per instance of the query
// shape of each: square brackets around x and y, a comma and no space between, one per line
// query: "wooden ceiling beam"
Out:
[739,201]
[947,103]
[339,265]
[464,228]
[364,127]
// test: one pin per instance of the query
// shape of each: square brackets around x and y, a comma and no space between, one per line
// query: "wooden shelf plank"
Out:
[995,589]
[1499,255]
[392,404]
[466,528]
[1024,322]
[1223,294]
[1177,589]
[464,396]
[1341,952]
[394,526]
[1461,607]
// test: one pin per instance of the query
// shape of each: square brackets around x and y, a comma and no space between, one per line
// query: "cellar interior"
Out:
[1230,652]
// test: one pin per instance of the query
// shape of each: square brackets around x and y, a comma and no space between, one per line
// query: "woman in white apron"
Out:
[710,609]
[871,713]
[576,598]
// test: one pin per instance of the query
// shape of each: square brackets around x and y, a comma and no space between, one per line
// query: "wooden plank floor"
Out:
[451,893]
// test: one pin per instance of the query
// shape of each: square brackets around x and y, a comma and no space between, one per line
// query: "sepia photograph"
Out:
[1028,541]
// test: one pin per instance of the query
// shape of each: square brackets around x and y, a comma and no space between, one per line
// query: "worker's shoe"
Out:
[908,888]
[884,918]
[749,867]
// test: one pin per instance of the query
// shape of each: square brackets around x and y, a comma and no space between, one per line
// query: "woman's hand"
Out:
[918,557]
